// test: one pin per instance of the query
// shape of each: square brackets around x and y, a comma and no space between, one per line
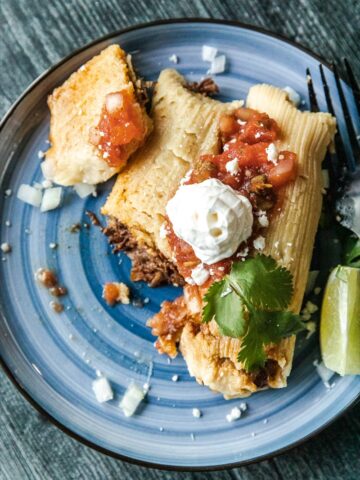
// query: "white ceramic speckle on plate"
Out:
[55,357]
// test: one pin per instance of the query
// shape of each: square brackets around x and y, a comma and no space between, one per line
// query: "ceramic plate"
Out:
[53,357]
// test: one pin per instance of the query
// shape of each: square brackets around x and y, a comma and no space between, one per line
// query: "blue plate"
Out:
[53,358]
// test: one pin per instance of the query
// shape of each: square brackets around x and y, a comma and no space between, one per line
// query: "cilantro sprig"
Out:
[250,302]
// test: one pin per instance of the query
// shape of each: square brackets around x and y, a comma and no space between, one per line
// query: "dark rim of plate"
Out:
[6,368]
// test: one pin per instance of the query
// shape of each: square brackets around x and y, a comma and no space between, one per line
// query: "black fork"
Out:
[344,169]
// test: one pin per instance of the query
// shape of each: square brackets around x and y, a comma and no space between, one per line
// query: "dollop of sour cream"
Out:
[211,217]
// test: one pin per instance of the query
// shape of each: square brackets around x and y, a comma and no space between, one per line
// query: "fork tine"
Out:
[314,106]
[342,158]
[329,163]
[350,128]
[354,85]
[326,91]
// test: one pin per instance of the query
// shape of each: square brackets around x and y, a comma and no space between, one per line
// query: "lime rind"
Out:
[340,321]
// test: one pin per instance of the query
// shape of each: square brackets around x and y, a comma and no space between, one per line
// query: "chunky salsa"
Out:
[258,172]
[120,123]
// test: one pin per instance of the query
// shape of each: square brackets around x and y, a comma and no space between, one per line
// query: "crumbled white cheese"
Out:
[7,223]
[217,65]
[259,243]
[51,199]
[200,274]
[243,253]
[53,245]
[8,192]
[132,398]
[232,166]
[102,389]
[196,413]
[263,220]
[30,195]
[272,153]
[293,96]
[311,328]
[5,247]
[189,280]
[208,53]
[243,406]
[174,58]
[324,373]
[38,186]
[311,307]
[235,414]
[41,154]
[175,378]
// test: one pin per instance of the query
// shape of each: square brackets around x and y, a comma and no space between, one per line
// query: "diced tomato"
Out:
[285,171]
[121,122]
[259,128]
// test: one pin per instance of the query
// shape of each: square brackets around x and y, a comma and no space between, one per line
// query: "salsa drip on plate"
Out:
[120,123]
[250,164]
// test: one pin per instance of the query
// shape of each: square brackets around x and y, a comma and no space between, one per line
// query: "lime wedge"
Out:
[340,321]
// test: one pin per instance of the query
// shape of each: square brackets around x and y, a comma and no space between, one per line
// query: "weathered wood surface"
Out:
[34,34]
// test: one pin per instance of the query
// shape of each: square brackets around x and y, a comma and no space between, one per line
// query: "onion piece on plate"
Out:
[208,53]
[84,189]
[30,195]
[217,65]
[51,199]
[132,398]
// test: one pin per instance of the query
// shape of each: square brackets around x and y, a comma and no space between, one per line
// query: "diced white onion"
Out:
[113,102]
[132,398]
[102,389]
[326,178]
[30,195]
[293,96]
[217,65]
[208,53]
[313,274]
[84,189]
[51,199]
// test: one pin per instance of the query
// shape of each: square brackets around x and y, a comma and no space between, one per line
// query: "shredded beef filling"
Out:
[262,377]
[207,87]
[148,265]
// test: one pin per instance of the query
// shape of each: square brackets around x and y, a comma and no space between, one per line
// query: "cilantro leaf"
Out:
[265,328]
[262,283]
[226,307]
[249,303]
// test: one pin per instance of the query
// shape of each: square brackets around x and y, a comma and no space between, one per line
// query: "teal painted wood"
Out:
[33,36]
